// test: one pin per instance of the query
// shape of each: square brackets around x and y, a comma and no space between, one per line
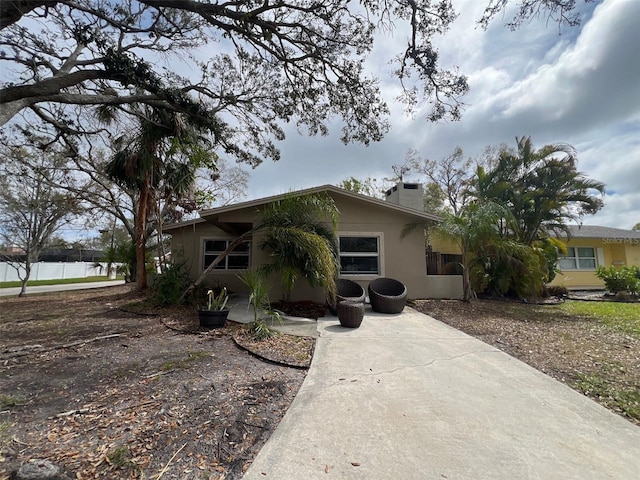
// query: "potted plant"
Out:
[214,315]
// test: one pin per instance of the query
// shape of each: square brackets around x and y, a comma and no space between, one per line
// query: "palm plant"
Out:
[502,266]
[259,302]
[310,220]
[161,157]
[542,189]
[300,242]
[474,226]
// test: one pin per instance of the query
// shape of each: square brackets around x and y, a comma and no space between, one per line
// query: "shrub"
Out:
[623,279]
[169,285]
[259,300]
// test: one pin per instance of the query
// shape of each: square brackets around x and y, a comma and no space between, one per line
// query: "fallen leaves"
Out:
[90,408]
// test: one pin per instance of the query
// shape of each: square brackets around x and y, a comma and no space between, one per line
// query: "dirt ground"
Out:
[108,393]
[107,387]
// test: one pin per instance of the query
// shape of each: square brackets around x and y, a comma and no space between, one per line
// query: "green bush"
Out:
[169,285]
[622,279]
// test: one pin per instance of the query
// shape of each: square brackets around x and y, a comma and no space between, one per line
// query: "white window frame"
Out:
[576,259]
[380,237]
[203,246]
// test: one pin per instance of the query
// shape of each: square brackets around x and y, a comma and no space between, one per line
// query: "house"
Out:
[590,247]
[369,233]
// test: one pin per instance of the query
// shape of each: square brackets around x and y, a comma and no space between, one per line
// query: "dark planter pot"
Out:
[350,314]
[212,318]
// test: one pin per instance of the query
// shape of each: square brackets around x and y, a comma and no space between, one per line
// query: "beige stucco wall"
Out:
[403,259]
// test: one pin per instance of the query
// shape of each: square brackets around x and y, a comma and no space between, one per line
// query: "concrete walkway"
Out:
[408,397]
[240,311]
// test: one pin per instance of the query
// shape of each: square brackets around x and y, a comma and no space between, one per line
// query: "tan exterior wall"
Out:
[403,259]
[187,244]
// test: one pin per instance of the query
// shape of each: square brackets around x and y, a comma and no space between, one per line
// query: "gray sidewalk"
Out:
[407,397]
[12,291]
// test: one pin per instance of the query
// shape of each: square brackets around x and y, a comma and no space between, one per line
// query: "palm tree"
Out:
[164,153]
[310,220]
[541,188]
[475,225]
[300,243]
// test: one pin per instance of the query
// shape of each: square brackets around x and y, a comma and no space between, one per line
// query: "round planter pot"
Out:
[350,314]
[212,318]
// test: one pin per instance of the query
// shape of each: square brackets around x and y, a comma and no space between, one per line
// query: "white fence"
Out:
[52,271]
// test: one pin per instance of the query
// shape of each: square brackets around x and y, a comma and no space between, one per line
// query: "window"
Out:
[578,258]
[443,263]
[360,255]
[238,259]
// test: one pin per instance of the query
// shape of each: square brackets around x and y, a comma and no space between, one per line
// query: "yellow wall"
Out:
[439,244]
[617,252]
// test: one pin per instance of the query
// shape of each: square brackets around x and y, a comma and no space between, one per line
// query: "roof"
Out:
[321,189]
[173,226]
[592,231]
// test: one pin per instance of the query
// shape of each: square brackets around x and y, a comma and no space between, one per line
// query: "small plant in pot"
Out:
[215,313]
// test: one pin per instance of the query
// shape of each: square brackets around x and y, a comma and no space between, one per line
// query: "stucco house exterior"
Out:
[369,234]
[592,246]
[588,247]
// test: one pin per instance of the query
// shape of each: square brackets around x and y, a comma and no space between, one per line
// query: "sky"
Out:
[575,85]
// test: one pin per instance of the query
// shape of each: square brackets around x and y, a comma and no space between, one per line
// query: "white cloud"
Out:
[581,87]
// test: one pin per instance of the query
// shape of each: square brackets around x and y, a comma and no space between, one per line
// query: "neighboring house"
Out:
[587,248]
[369,234]
[590,247]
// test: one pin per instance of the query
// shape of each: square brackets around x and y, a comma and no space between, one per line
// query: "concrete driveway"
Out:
[408,397]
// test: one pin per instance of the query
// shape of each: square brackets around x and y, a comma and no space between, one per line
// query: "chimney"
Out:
[407,194]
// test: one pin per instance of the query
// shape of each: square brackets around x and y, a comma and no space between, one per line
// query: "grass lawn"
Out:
[622,316]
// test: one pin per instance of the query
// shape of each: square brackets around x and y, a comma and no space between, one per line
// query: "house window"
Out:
[443,263]
[360,255]
[238,259]
[578,258]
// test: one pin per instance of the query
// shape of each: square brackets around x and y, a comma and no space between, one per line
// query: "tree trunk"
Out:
[141,238]
[23,287]
[27,275]
[467,293]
